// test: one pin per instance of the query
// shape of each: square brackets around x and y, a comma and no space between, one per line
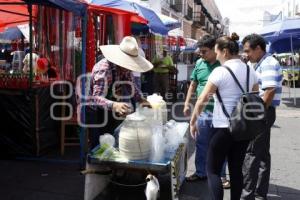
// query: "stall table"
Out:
[26,126]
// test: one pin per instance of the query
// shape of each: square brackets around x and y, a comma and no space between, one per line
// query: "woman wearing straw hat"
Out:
[112,86]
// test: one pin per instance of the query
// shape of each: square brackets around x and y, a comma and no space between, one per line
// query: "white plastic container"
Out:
[159,106]
[135,138]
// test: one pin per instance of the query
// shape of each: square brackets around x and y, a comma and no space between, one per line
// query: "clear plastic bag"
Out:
[107,139]
[107,152]
[158,144]
[172,135]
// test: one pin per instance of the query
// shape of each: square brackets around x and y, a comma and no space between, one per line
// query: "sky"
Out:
[246,16]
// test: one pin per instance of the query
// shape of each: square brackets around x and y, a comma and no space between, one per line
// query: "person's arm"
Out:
[99,92]
[202,100]
[171,64]
[255,88]
[270,76]
[99,99]
[269,96]
[156,61]
[191,91]
[101,79]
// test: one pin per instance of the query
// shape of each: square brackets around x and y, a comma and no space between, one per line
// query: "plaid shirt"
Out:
[105,75]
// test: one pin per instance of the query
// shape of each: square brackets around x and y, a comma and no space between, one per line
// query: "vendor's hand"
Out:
[193,130]
[121,108]
[186,110]
[145,103]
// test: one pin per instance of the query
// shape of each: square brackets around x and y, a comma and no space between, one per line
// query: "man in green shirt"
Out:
[162,67]
[204,66]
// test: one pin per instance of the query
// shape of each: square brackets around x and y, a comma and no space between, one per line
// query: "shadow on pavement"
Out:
[194,190]
[278,192]
[199,190]
[289,102]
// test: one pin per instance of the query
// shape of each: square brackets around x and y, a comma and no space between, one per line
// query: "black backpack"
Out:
[248,118]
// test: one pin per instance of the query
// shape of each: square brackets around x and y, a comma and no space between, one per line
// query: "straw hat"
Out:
[127,55]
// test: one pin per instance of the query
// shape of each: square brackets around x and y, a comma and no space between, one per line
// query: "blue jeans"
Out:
[204,124]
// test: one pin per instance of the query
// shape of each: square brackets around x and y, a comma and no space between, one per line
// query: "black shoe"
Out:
[195,177]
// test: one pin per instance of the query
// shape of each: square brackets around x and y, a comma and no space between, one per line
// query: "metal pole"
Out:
[83,70]
[61,45]
[30,45]
[293,68]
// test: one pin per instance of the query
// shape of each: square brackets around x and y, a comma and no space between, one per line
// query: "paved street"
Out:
[60,181]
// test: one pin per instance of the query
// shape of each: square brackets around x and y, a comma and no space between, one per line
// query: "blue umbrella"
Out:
[169,22]
[11,34]
[154,22]
[283,36]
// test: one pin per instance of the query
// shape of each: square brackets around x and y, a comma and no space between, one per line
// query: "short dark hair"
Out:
[207,41]
[255,40]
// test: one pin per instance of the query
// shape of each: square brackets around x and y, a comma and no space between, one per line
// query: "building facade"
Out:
[197,17]
[291,8]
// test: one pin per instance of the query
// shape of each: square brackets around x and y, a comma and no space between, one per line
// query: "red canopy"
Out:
[134,17]
[173,41]
[13,15]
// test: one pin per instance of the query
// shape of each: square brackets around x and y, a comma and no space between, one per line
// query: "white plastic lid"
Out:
[136,116]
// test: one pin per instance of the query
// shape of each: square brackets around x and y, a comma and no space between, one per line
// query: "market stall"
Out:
[25,88]
[107,26]
[145,31]
[186,63]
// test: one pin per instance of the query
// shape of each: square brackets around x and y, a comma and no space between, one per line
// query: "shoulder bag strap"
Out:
[235,79]
[222,104]
[248,75]
[238,83]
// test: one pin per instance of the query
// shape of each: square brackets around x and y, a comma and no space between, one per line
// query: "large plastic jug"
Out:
[159,106]
[135,138]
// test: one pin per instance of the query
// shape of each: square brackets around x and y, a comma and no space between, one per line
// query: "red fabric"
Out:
[91,44]
[172,41]
[11,20]
[66,65]
[42,65]
[122,20]
[78,27]
[134,17]
[127,27]
[123,25]
[181,41]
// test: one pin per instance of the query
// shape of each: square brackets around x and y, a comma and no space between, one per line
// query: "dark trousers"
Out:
[223,146]
[257,164]
[161,83]
[96,117]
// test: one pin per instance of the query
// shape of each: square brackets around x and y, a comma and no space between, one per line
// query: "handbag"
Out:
[248,118]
